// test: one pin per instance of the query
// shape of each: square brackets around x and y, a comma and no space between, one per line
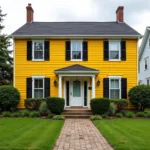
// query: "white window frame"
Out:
[118,78]
[148,79]
[37,77]
[146,59]
[33,59]
[116,41]
[81,50]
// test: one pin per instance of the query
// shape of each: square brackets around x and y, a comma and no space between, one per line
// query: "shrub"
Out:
[112,109]
[120,115]
[51,116]
[130,114]
[148,114]
[99,105]
[140,114]
[95,117]
[16,114]
[55,104]
[120,102]
[34,114]
[58,117]
[25,113]
[6,114]
[140,96]
[9,97]
[43,109]
[33,103]
[104,116]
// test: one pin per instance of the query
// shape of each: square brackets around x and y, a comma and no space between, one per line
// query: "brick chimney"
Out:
[119,14]
[30,12]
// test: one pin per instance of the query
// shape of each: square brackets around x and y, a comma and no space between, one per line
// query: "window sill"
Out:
[76,60]
[38,60]
[114,60]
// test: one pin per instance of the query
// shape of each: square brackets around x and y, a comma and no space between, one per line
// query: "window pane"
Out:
[114,83]
[115,94]
[38,54]
[38,46]
[73,44]
[76,54]
[38,83]
[76,89]
[76,45]
[114,54]
[38,93]
[114,46]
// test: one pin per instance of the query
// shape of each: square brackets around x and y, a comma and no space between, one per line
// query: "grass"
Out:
[126,134]
[28,133]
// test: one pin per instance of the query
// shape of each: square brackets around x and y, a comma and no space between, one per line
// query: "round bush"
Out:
[51,116]
[55,105]
[99,105]
[130,114]
[140,96]
[140,114]
[120,115]
[9,97]
[34,114]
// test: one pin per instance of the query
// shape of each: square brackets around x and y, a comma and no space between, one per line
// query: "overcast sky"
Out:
[136,12]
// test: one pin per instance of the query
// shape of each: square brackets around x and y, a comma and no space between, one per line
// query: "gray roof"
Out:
[76,67]
[75,28]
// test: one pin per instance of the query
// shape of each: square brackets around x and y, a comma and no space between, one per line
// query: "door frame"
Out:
[82,79]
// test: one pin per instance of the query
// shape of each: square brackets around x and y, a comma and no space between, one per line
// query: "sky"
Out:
[136,12]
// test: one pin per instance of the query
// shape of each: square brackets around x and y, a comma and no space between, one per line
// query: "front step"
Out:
[77,112]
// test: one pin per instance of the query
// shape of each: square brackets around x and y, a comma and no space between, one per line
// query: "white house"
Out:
[144,59]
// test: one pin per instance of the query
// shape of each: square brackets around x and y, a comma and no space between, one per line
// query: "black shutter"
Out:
[47,87]
[123,50]
[123,87]
[68,49]
[29,50]
[106,50]
[106,87]
[67,93]
[29,88]
[85,50]
[46,50]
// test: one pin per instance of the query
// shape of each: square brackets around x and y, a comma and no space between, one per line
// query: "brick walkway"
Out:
[81,134]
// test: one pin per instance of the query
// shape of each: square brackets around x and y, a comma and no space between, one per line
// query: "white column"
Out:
[93,86]
[60,87]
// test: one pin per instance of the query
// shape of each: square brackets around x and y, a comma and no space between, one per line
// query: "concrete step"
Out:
[76,113]
[77,116]
[76,110]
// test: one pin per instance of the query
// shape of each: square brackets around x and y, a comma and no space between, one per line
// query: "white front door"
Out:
[76,93]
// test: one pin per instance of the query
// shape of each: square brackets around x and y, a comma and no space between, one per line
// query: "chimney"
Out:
[30,12]
[119,14]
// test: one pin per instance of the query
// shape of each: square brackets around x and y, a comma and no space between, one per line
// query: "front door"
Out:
[76,93]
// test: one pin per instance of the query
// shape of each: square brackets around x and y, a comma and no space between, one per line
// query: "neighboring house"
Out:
[75,60]
[144,59]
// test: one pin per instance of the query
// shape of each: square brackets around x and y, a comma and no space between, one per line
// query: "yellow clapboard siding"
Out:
[24,68]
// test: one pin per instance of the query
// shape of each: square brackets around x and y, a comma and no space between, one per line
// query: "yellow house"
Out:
[75,60]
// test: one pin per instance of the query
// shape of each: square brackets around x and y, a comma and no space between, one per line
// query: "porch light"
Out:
[98,83]
[55,83]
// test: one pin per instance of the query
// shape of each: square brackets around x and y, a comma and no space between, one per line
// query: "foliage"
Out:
[112,109]
[9,97]
[96,117]
[99,105]
[6,114]
[140,96]
[24,113]
[148,114]
[33,103]
[16,114]
[34,114]
[140,114]
[6,61]
[55,104]
[124,112]
[43,109]
[130,114]
[51,116]
[120,102]
[58,117]
[104,115]
[120,115]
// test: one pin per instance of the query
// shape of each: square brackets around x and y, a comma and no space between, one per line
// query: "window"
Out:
[114,50]
[38,87]
[76,50]
[147,80]
[38,50]
[115,89]
[146,63]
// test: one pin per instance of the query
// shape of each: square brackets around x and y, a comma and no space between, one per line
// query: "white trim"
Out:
[42,41]
[93,86]
[75,73]
[114,77]
[14,64]
[60,86]
[38,76]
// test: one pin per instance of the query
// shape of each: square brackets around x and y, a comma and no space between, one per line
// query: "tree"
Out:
[6,61]
[140,96]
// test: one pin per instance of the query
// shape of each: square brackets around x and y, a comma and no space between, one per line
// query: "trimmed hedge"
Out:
[55,105]
[100,105]
[140,96]
[9,98]
[33,103]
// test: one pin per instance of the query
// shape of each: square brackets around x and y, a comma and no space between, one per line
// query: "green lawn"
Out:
[126,134]
[28,133]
